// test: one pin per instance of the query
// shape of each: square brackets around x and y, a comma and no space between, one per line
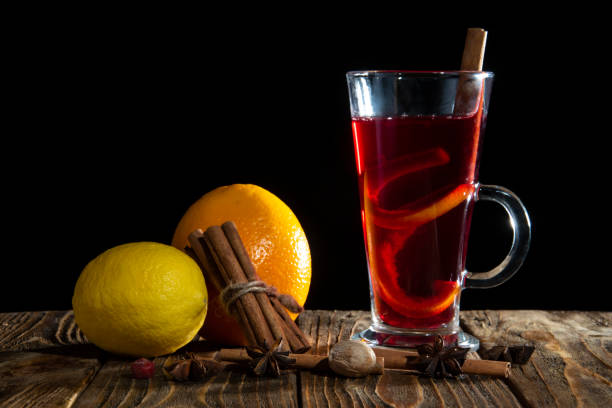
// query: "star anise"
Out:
[189,367]
[440,361]
[269,360]
[513,354]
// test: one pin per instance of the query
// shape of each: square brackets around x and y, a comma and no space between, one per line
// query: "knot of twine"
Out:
[231,293]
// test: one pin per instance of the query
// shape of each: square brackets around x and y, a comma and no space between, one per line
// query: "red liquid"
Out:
[417,177]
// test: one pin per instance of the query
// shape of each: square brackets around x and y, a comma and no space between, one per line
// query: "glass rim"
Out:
[400,72]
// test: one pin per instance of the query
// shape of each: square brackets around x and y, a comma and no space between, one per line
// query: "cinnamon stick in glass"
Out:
[472,60]
[474,49]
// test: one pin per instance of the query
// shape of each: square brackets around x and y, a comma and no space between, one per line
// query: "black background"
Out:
[116,125]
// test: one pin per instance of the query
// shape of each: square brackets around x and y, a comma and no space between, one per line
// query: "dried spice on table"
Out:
[513,354]
[440,361]
[269,360]
[190,368]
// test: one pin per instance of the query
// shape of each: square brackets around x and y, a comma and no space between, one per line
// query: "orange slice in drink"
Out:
[385,273]
[411,218]
[404,220]
[418,307]
[407,164]
[385,278]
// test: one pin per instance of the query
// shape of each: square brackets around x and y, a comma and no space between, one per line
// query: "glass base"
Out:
[374,337]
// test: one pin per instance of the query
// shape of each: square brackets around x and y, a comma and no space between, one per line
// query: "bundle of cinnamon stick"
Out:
[262,317]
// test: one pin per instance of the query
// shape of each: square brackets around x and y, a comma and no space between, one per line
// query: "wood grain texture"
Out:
[46,361]
[572,363]
[36,330]
[73,373]
[114,386]
[45,379]
[393,389]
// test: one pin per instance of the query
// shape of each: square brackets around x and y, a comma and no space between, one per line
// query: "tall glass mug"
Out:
[417,139]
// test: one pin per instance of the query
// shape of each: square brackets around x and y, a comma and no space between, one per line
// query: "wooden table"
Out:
[46,361]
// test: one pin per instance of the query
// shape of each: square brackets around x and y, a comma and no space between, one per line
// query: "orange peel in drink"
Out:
[419,307]
[407,219]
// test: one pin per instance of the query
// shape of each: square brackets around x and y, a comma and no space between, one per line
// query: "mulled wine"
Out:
[417,177]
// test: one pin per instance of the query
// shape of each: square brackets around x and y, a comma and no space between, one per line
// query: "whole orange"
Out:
[274,240]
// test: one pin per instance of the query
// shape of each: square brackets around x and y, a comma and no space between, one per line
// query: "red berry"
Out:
[143,368]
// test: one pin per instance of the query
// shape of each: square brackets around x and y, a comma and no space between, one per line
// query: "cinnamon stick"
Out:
[292,327]
[400,359]
[262,318]
[231,232]
[303,361]
[385,359]
[487,367]
[466,100]
[203,256]
[201,250]
[281,324]
[229,266]
[474,49]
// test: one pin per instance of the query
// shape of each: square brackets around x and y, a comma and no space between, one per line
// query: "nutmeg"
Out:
[353,359]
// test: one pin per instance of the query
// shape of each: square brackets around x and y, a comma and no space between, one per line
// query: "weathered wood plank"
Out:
[394,388]
[49,378]
[572,364]
[44,361]
[36,330]
[114,386]
[110,384]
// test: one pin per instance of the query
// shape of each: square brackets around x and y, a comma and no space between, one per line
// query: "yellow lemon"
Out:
[140,299]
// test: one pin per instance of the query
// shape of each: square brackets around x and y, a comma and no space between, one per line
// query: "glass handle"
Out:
[521,226]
